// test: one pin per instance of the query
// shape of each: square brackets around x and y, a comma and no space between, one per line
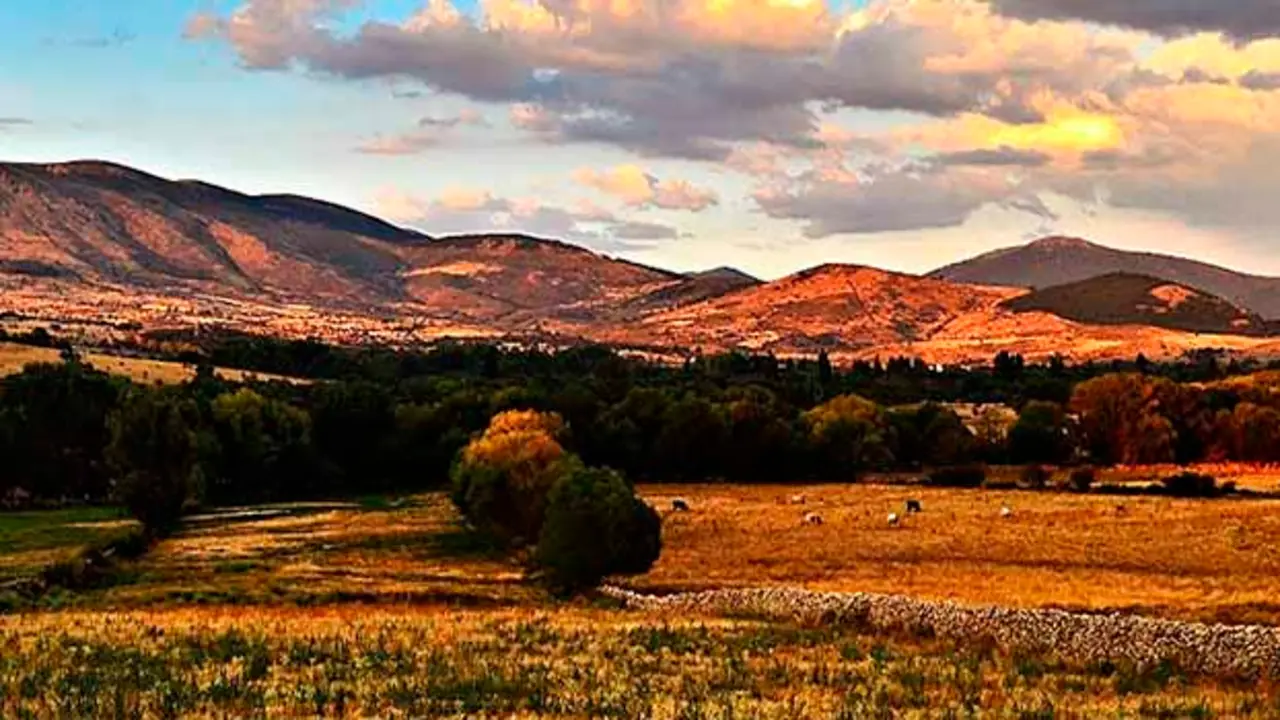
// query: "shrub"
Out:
[961,476]
[1082,479]
[1035,477]
[595,527]
[1191,485]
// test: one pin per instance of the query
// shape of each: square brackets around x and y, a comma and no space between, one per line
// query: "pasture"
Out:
[14,357]
[1184,559]
[379,609]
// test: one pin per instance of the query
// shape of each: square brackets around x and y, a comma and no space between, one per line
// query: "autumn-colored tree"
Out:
[1121,419]
[502,478]
[1251,433]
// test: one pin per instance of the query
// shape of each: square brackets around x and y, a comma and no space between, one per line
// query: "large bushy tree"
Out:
[595,527]
[153,451]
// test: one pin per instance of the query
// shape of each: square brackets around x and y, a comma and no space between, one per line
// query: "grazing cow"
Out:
[680,505]
[1006,512]
[913,506]
[893,519]
[1121,509]
[813,519]
[798,499]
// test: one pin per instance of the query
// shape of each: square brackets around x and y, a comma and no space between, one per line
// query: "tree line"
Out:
[69,432]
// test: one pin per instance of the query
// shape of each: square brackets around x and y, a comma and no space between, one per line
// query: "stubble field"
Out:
[376,610]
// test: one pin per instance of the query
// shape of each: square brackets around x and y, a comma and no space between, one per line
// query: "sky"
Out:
[768,135]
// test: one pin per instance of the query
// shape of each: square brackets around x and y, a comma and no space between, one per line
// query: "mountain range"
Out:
[91,244]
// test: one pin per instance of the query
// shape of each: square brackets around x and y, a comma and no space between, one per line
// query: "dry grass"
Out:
[1189,559]
[14,357]
[314,554]
[572,661]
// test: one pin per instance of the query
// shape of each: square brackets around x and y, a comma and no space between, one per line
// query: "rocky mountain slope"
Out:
[1130,299]
[1058,261]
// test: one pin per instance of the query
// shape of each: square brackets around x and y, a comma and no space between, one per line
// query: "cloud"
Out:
[466,116]
[887,199]
[1240,19]
[13,121]
[633,186]
[1263,81]
[396,145]
[636,230]
[971,102]
[431,132]
[465,210]
[689,78]
[1001,156]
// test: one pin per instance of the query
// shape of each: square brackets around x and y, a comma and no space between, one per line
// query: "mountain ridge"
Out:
[107,246]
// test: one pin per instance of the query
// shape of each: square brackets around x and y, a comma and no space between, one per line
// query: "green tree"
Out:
[847,435]
[693,442]
[596,527]
[263,451]
[153,451]
[1041,435]
[56,421]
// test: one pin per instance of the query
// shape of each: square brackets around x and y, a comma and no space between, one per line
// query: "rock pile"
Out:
[1246,651]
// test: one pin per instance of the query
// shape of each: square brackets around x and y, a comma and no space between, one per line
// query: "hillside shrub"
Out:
[958,476]
[595,527]
[1191,485]
[1082,479]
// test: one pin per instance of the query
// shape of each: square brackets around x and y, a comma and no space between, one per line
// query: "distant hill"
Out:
[1131,299]
[98,222]
[1059,260]
[836,307]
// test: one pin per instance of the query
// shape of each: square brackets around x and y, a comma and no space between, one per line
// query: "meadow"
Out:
[15,357]
[383,607]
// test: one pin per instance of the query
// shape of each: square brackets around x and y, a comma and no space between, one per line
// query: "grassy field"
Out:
[30,541]
[383,609]
[14,357]
[571,661]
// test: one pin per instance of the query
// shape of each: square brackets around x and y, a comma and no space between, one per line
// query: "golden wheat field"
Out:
[14,357]
[392,610]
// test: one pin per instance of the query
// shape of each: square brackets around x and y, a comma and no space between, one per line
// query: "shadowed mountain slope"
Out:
[1058,261]
[1130,299]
